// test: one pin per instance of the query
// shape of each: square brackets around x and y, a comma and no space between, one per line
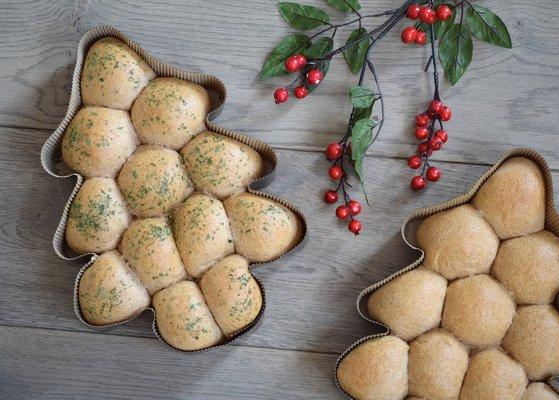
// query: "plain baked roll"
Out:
[98,141]
[376,370]
[533,339]
[149,248]
[457,242]
[539,391]
[97,217]
[113,75]
[109,291]
[409,304]
[232,294]
[154,181]
[513,198]
[478,311]
[202,233]
[183,318]
[220,165]
[262,228]
[170,111]
[528,267]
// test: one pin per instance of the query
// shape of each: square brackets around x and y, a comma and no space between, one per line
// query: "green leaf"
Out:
[361,97]
[318,50]
[442,26]
[362,113]
[355,55]
[361,139]
[345,5]
[487,26]
[302,17]
[455,52]
[274,64]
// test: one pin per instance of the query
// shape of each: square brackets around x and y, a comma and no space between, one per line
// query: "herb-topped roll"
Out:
[98,141]
[183,318]
[202,233]
[220,165]
[110,292]
[97,217]
[113,75]
[149,248]
[154,181]
[170,111]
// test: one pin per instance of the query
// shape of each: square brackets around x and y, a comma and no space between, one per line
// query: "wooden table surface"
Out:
[507,99]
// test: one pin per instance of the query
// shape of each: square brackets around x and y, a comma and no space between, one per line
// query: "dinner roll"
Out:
[202,233]
[98,141]
[533,339]
[110,292]
[113,75]
[183,318]
[97,217]
[492,375]
[437,364]
[169,111]
[220,165]
[262,228]
[232,294]
[149,248]
[478,310]
[376,370]
[513,198]
[539,391]
[457,242]
[154,181]
[409,304]
[528,266]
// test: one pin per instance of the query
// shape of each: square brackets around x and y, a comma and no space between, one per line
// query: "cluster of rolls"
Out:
[164,205]
[476,320]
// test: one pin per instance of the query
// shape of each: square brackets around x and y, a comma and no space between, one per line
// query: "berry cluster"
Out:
[427,15]
[309,72]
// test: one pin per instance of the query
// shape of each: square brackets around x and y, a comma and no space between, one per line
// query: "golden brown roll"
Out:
[113,75]
[262,228]
[202,233]
[457,242]
[149,248]
[528,267]
[437,365]
[97,217]
[493,375]
[533,339]
[183,318]
[478,311]
[512,200]
[170,111]
[110,292]
[98,141]
[539,391]
[376,370]
[410,304]
[154,181]
[220,165]
[232,294]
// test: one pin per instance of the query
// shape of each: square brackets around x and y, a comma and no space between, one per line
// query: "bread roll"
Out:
[437,365]
[262,228]
[97,217]
[113,75]
[110,292]
[149,248]
[457,242]
[98,141]
[533,339]
[202,233]
[376,370]
[170,111]
[492,375]
[478,310]
[528,266]
[410,304]
[513,199]
[183,318]
[539,391]
[154,181]
[220,165]
[232,294]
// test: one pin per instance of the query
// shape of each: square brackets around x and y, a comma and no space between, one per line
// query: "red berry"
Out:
[291,64]
[435,106]
[335,172]
[281,95]
[445,114]
[444,12]
[302,60]
[413,11]
[354,207]
[424,148]
[421,38]
[342,212]
[414,162]
[421,132]
[436,143]
[330,196]
[422,120]
[300,92]
[333,151]
[418,182]
[433,174]
[354,226]
[442,134]
[427,15]
[409,34]
[314,76]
